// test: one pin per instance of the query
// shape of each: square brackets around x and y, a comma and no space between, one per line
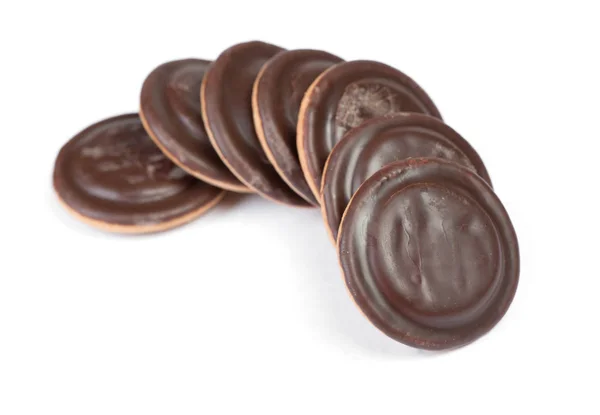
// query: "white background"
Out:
[244,310]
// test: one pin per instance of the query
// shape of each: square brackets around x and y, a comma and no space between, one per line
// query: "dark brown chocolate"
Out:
[429,253]
[226,98]
[381,141]
[112,176]
[170,111]
[276,97]
[343,97]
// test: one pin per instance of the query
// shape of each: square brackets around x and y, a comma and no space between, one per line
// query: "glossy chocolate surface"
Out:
[276,98]
[227,110]
[170,110]
[342,98]
[429,253]
[113,173]
[381,141]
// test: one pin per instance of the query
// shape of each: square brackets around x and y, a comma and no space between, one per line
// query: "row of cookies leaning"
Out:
[232,124]
[427,250]
[241,136]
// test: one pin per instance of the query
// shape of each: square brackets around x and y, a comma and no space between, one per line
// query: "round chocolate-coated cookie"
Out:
[429,253]
[170,112]
[381,141]
[276,97]
[343,97]
[226,98]
[112,176]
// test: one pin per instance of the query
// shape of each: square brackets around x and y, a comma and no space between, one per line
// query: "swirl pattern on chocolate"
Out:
[429,253]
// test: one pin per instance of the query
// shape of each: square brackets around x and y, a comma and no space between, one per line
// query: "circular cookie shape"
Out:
[112,176]
[170,112]
[429,253]
[276,96]
[343,97]
[381,141]
[226,98]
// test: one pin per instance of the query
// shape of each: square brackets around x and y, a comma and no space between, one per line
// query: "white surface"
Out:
[244,311]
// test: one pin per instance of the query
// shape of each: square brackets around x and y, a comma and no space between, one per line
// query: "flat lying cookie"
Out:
[170,111]
[112,176]
[276,97]
[343,97]
[429,253]
[381,141]
[226,97]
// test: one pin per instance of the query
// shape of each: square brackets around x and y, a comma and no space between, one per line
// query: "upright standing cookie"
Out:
[226,97]
[429,253]
[112,176]
[343,97]
[170,111]
[276,97]
[381,141]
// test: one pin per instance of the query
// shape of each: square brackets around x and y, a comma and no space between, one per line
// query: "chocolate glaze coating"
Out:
[343,97]
[170,111]
[113,176]
[277,93]
[381,141]
[226,98]
[429,253]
